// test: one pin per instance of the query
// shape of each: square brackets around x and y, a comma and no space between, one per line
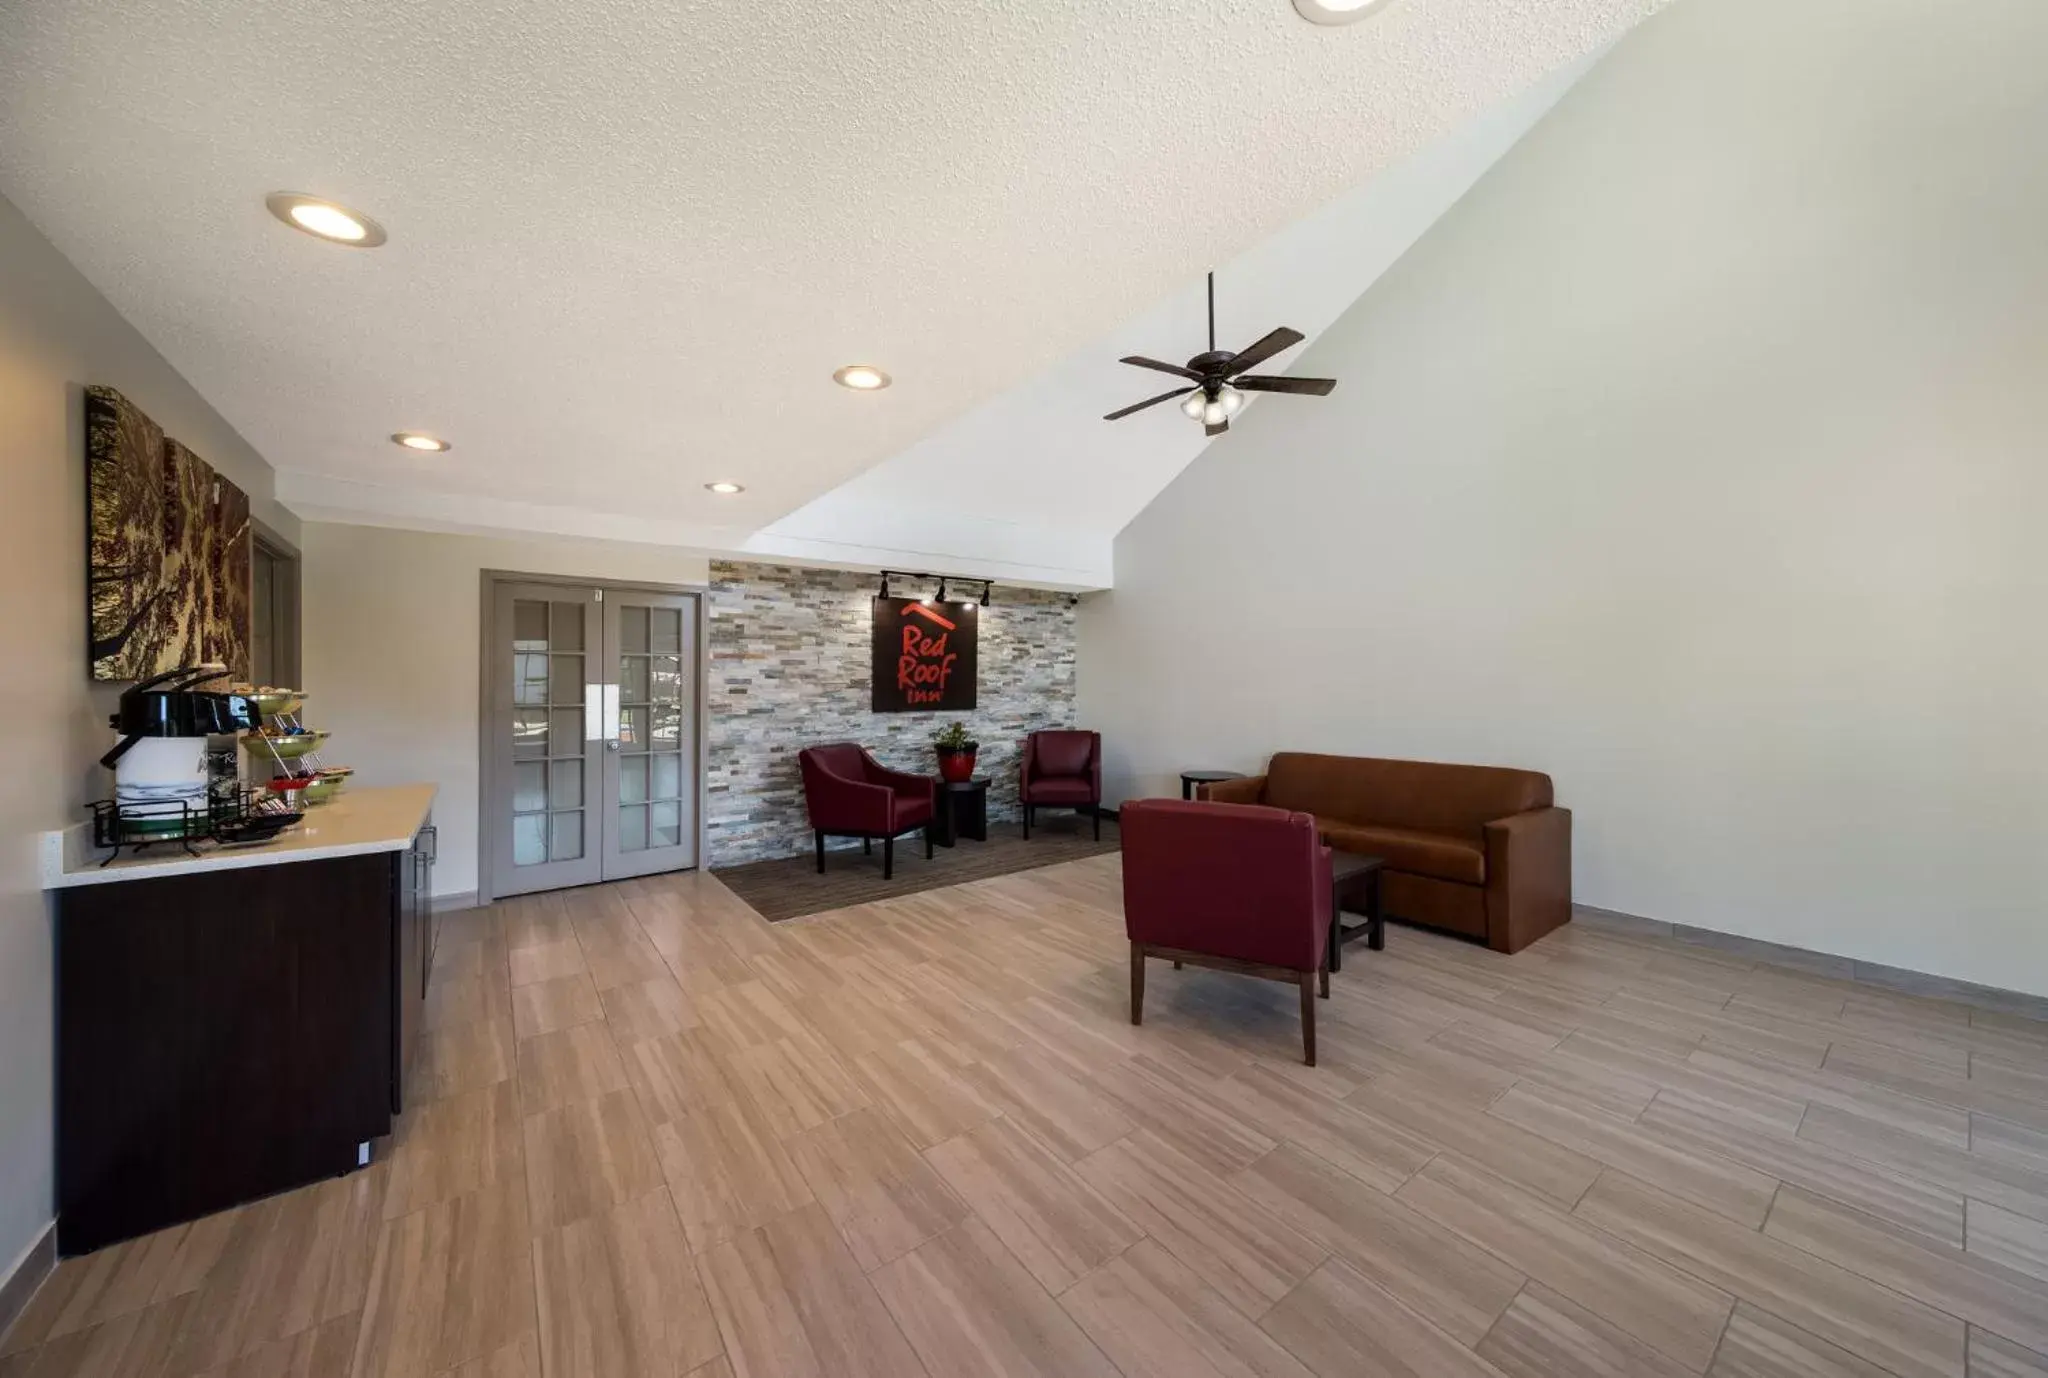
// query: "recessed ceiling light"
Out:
[1338,11]
[726,488]
[416,440]
[861,377]
[325,220]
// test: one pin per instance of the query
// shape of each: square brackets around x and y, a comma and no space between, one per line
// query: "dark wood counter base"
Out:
[226,1034]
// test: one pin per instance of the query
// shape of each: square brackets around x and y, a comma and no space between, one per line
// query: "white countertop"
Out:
[357,822]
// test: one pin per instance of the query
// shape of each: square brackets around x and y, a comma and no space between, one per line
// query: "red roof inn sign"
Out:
[924,656]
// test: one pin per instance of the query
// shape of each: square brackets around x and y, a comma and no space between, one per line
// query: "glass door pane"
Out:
[545,739]
[651,767]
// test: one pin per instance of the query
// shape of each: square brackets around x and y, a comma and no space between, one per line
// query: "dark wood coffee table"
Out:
[1355,884]
[960,810]
[1191,778]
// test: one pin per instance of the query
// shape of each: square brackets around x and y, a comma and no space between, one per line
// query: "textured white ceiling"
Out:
[632,238]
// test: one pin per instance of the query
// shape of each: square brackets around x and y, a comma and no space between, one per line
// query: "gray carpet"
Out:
[790,887]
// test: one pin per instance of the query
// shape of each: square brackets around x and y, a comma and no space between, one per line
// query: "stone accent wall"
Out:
[791,664]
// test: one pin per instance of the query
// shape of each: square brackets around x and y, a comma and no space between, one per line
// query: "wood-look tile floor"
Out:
[653,1135]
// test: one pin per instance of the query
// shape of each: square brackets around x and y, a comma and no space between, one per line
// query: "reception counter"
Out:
[235,1023]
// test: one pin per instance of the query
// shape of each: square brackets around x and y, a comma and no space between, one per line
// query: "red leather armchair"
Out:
[1236,887]
[848,793]
[1062,769]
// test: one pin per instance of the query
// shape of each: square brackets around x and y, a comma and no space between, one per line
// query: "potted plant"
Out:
[956,754]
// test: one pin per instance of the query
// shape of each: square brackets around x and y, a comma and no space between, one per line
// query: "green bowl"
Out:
[276,701]
[320,791]
[288,748]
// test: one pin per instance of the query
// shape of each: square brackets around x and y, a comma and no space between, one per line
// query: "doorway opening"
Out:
[273,613]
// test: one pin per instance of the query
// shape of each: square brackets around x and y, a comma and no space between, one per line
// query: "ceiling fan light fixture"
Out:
[1191,406]
[1232,400]
[1215,413]
[1333,12]
[861,378]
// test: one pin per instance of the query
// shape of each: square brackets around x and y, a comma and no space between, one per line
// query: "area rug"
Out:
[790,887]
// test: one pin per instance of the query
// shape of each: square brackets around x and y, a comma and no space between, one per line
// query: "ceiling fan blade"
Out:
[1280,339]
[1148,402]
[1313,387]
[1160,366]
[1218,429]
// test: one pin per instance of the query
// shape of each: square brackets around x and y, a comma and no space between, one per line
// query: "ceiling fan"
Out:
[1222,379]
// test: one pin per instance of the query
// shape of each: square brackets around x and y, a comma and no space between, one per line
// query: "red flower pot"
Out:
[956,763]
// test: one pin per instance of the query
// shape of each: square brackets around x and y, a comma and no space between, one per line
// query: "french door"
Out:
[593,732]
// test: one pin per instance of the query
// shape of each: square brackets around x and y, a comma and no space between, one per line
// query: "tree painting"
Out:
[168,583]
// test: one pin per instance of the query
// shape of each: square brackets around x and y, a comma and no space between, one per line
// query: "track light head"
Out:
[942,590]
[984,592]
[885,583]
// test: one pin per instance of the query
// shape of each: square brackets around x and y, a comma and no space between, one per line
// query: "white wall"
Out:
[393,629]
[57,334]
[1697,457]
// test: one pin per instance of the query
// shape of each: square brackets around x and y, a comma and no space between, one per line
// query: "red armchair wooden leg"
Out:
[888,858]
[1323,980]
[927,842]
[1138,983]
[821,853]
[1098,822]
[1308,1018]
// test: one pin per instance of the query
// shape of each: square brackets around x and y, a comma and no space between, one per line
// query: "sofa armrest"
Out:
[1250,790]
[1528,877]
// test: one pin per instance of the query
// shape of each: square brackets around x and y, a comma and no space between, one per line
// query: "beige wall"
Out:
[57,335]
[1696,457]
[393,625]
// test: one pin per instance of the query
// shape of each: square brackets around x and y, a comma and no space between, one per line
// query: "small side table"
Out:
[1190,778]
[960,810]
[1355,884]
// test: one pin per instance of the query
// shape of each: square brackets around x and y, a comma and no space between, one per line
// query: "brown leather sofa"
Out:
[1477,850]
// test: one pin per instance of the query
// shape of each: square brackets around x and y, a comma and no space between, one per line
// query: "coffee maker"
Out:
[160,765]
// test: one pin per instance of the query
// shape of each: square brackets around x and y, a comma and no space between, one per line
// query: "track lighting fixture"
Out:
[945,583]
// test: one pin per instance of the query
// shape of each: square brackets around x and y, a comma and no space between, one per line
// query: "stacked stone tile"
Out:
[790,666]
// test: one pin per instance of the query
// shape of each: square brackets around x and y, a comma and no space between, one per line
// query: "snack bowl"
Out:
[288,746]
[321,791]
[270,702]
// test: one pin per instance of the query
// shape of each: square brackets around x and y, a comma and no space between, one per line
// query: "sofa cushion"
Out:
[1426,796]
[1441,855]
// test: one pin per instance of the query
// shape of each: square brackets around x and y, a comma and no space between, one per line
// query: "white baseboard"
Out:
[26,1274]
[1842,968]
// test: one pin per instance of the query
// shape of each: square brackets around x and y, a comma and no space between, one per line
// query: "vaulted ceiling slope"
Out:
[1034,484]
[631,240]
